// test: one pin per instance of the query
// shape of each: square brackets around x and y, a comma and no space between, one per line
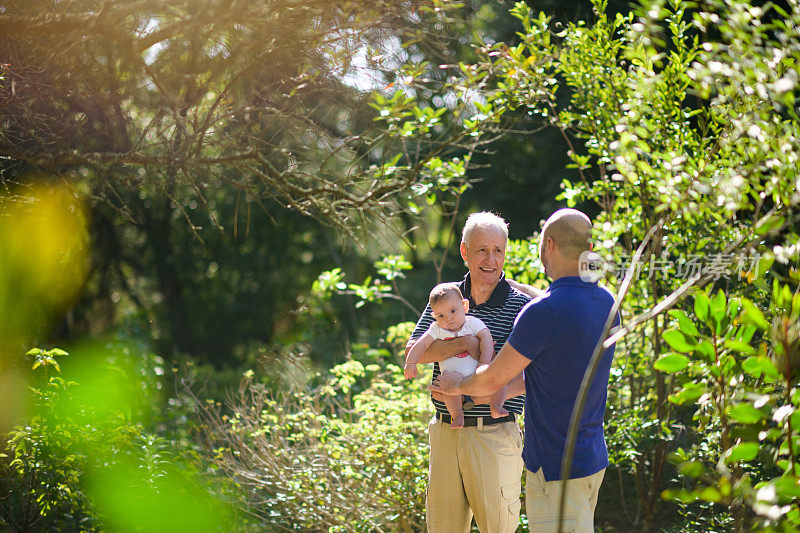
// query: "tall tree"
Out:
[190,125]
[182,96]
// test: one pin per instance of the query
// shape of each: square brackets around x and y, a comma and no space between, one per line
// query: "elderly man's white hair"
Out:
[483,220]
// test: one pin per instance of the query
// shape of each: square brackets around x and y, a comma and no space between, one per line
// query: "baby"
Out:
[449,309]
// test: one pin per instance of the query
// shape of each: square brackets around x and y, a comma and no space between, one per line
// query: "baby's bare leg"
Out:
[453,404]
[496,403]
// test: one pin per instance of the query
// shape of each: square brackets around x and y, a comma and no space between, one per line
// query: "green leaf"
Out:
[768,224]
[795,419]
[760,365]
[739,346]
[692,469]
[709,494]
[787,486]
[786,296]
[679,341]
[754,314]
[727,363]
[764,264]
[717,309]
[685,324]
[745,333]
[690,393]
[745,413]
[705,350]
[742,452]
[671,363]
[680,495]
[734,305]
[701,305]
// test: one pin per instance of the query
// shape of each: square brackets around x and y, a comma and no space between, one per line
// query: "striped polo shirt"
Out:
[498,313]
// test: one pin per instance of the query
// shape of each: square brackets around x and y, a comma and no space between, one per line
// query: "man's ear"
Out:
[463,249]
[549,243]
[466,305]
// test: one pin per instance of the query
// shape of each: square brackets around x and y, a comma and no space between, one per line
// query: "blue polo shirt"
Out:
[558,333]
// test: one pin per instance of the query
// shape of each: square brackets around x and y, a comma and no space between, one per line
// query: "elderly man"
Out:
[553,340]
[477,470]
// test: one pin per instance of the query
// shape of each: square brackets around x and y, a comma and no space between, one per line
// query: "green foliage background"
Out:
[277,290]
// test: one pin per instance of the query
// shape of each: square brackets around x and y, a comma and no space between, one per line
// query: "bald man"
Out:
[552,341]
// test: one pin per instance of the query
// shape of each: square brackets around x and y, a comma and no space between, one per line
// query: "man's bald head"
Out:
[571,231]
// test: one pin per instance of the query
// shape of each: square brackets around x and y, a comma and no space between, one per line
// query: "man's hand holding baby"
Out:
[447,383]
[410,370]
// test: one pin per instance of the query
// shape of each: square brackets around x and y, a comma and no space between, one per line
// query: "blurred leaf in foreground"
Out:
[43,263]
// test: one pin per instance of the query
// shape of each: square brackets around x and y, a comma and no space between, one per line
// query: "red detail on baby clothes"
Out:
[462,355]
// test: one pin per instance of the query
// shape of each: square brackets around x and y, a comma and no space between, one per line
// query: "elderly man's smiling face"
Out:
[485,252]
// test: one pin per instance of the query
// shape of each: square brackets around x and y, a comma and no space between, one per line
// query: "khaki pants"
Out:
[543,498]
[475,470]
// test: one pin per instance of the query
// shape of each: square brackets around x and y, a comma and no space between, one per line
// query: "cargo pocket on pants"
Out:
[510,495]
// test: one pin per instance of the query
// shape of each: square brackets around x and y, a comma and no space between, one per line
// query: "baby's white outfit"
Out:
[461,363]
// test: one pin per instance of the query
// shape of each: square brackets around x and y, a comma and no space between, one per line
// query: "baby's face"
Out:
[449,313]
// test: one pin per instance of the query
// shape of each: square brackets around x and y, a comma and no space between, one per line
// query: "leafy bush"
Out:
[347,455]
[743,386]
[42,467]
[85,460]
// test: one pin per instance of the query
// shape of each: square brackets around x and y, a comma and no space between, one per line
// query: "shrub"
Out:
[85,460]
[327,457]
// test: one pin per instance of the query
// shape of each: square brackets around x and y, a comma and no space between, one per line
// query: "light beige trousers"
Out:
[543,498]
[474,471]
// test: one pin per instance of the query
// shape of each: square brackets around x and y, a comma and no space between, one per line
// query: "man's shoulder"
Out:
[594,292]
[517,298]
[591,301]
[538,306]
[606,292]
